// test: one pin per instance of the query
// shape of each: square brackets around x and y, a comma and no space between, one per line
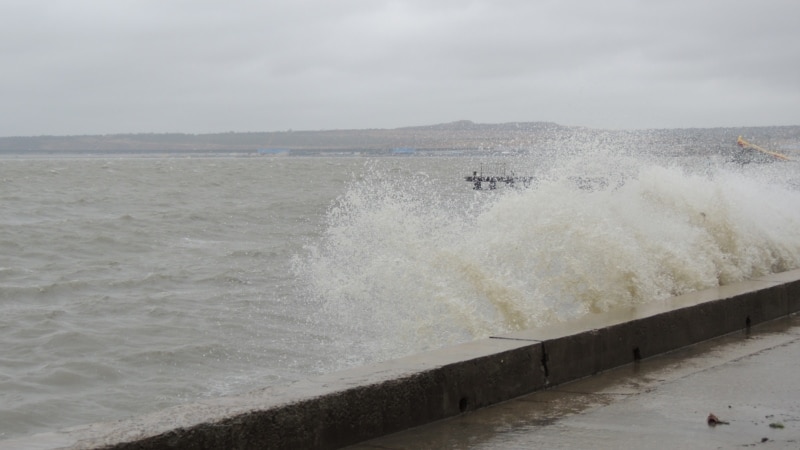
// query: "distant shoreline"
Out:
[22,154]
[462,136]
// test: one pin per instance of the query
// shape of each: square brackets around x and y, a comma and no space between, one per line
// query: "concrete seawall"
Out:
[347,407]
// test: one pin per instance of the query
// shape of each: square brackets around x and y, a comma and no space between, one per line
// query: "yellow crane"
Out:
[744,144]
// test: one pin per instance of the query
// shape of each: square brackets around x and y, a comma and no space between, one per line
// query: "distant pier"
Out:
[489,175]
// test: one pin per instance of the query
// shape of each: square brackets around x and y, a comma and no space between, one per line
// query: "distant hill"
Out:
[462,135]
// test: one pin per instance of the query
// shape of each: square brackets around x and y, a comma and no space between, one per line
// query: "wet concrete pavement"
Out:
[751,380]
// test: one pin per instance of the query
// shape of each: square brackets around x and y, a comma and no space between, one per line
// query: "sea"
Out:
[131,283]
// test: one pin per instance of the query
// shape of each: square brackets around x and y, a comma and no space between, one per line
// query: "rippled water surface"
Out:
[132,284]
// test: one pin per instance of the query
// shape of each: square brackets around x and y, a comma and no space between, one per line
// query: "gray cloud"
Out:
[92,66]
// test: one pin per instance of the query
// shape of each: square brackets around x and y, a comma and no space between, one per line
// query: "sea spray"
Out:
[407,263]
[173,282]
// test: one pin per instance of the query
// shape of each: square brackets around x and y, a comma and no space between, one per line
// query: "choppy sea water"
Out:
[131,284]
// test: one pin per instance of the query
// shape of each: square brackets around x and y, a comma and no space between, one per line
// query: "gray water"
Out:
[131,284]
[127,285]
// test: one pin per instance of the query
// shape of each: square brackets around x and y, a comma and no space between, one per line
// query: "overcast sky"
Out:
[200,66]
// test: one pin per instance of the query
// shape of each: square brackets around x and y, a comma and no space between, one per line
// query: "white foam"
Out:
[405,265]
